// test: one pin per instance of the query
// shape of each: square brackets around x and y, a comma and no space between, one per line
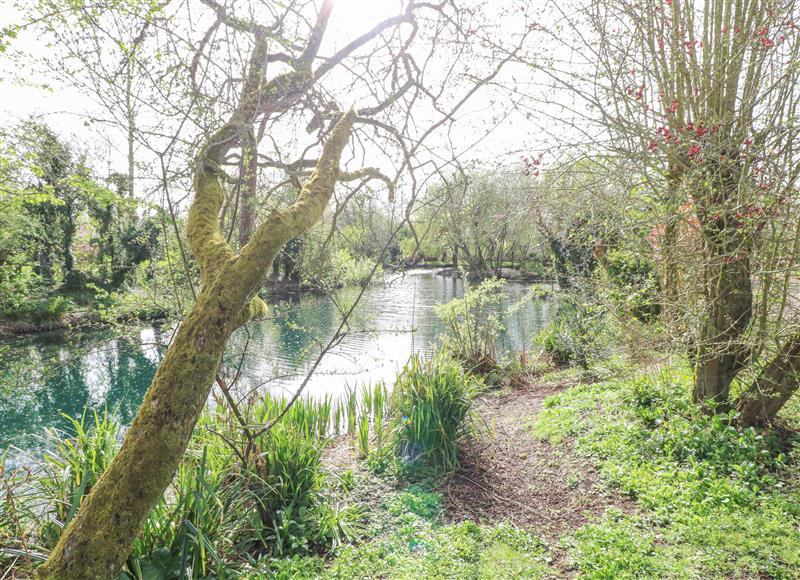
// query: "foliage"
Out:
[619,547]
[718,497]
[432,411]
[633,284]
[216,509]
[187,533]
[327,264]
[64,229]
[575,335]
[348,270]
[286,474]
[473,324]
[77,461]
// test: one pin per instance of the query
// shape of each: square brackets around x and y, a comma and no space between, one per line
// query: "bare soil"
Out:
[514,476]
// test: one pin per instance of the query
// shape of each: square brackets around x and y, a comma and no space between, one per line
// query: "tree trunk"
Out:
[560,263]
[669,271]
[773,387]
[131,125]
[729,302]
[69,236]
[98,540]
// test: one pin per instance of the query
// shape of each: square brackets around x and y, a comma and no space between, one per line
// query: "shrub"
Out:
[432,411]
[573,336]
[37,309]
[633,284]
[325,267]
[472,325]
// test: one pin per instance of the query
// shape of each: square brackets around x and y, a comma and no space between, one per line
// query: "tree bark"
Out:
[247,209]
[774,386]
[97,542]
[729,301]
[721,351]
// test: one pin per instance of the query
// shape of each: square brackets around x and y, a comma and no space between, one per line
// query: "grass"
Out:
[432,408]
[714,501]
[410,540]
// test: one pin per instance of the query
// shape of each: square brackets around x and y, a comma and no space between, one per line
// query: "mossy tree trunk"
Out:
[722,350]
[98,540]
[247,197]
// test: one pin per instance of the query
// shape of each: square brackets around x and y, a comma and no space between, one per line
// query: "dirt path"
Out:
[548,490]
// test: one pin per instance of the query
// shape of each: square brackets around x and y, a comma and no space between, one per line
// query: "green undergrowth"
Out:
[714,501]
[247,499]
[408,538]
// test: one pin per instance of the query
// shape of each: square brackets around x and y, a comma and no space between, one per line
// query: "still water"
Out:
[47,376]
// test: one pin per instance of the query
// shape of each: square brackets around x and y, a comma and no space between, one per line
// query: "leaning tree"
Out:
[213,79]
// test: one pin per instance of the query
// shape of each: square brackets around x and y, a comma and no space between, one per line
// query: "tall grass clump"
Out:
[72,466]
[183,534]
[431,406]
[189,533]
[235,498]
[367,410]
[292,509]
[473,324]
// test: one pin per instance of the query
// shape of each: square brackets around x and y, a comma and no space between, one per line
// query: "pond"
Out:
[47,377]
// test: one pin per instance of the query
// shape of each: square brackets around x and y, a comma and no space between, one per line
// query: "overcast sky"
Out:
[481,132]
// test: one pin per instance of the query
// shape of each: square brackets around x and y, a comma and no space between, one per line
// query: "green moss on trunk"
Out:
[99,539]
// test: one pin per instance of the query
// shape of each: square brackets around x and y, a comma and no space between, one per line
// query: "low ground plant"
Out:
[409,539]
[714,500]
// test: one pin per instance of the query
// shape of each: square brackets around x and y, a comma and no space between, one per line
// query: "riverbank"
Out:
[78,320]
[508,274]
[563,478]
[573,479]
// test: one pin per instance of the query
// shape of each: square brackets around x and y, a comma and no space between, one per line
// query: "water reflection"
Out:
[46,375]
